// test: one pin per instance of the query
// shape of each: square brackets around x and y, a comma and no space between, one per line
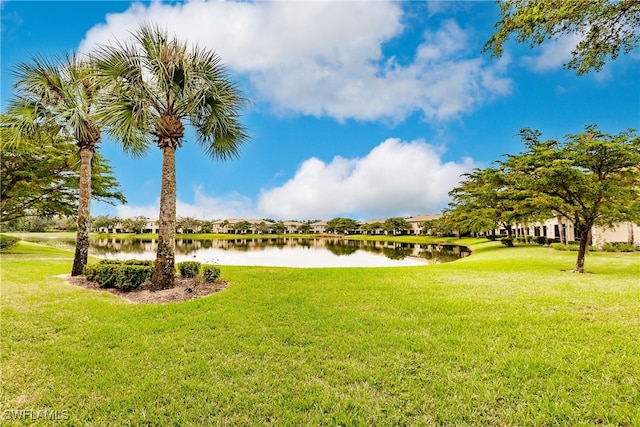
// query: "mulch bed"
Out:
[185,289]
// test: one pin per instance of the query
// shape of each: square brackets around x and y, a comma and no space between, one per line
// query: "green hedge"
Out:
[124,275]
[7,242]
[618,247]
[193,268]
[189,268]
[210,272]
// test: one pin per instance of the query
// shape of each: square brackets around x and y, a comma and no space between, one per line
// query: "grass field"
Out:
[504,337]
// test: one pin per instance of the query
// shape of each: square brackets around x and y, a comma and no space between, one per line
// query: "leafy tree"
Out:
[437,227]
[608,28]
[102,221]
[156,84]
[263,227]
[395,225]
[279,227]
[44,181]
[242,227]
[187,225]
[484,200]
[342,225]
[592,178]
[134,225]
[305,228]
[60,95]
[371,227]
[205,226]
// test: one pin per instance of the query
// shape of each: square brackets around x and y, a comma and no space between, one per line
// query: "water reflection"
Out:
[287,252]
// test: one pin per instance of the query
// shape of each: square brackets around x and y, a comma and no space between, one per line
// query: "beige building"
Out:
[319,227]
[554,229]
[415,222]
[224,226]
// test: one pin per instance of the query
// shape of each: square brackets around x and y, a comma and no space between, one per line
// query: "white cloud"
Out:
[326,58]
[395,179]
[232,205]
[554,53]
[132,211]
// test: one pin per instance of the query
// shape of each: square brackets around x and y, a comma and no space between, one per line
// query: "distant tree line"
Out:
[188,225]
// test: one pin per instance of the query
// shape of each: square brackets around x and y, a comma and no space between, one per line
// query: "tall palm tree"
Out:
[61,95]
[155,85]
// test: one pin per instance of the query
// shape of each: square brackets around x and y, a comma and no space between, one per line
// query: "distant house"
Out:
[369,226]
[115,228]
[151,227]
[415,222]
[291,227]
[319,227]
[231,226]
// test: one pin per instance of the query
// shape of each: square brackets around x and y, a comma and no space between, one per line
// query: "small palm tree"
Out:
[156,84]
[61,95]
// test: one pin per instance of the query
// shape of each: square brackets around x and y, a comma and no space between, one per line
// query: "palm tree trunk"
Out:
[164,270]
[84,214]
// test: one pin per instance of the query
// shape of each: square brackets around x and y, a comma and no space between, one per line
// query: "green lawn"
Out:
[504,337]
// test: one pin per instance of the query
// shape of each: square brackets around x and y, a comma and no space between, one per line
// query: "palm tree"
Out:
[156,84]
[61,95]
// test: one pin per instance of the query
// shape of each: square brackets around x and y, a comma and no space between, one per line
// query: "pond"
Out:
[279,251]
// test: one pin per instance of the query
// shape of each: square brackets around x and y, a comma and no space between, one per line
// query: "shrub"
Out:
[541,240]
[124,275]
[572,247]
[7,242]
[103,272]
[130,277]
[189,268]
[626,247]
[210,272]
[618,247]
[507,242]
[138,262]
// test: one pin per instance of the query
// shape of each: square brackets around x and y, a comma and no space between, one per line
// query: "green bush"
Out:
[507,242]
[618,247]
[541,240]
[130,277]
[138,262]
[189,268]
[124,275]
[572,247]
[104,273]
[210,272]
[7,242]
[626,247]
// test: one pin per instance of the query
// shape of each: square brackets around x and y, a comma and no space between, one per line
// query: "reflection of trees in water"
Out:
[106,246]
[393,250]
[341,248]
[443,253]
[397,253]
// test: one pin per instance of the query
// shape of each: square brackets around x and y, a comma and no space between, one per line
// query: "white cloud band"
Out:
[326,58]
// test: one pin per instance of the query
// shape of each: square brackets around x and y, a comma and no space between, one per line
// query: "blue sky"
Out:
[358,109]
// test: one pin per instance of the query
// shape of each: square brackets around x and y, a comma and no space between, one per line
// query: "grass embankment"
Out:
[504,337]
